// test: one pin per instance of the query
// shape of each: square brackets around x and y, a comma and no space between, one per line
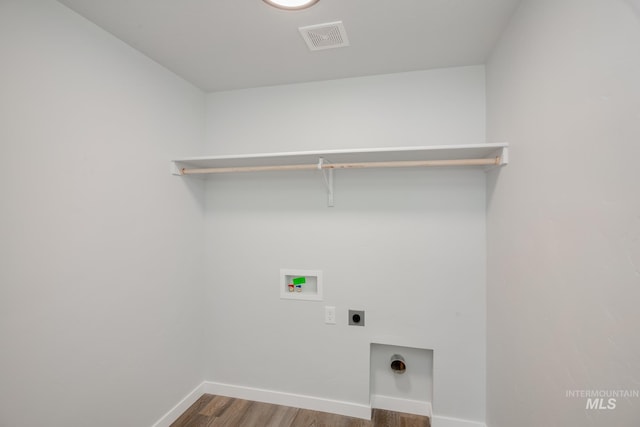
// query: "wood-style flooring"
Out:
[221,411]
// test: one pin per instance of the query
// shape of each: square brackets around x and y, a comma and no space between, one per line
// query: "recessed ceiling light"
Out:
[291,4]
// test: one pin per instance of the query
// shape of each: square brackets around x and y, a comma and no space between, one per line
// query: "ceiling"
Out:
[231,44]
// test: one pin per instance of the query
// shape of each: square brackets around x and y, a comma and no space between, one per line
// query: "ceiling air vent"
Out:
[325,36]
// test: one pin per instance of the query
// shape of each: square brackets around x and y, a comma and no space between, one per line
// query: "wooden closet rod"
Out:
[399,164]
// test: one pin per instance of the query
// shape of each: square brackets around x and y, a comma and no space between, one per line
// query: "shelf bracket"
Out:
[328,180]
[503,155]
[504,158]
[175,169]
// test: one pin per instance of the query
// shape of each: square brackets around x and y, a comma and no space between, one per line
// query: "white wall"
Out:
[437,107]
[408,246]
[100,247]
[564,217]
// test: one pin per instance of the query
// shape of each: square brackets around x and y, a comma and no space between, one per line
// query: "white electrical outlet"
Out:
[330,315]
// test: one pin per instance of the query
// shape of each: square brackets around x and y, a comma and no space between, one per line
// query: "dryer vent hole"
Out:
[398,364]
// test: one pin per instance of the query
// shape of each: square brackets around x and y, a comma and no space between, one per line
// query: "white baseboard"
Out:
[168,418]
[289,399]
[313,403]
[437,421]
[401,405]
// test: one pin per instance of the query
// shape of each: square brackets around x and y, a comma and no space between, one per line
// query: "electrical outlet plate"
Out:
[356,317]
[330,315]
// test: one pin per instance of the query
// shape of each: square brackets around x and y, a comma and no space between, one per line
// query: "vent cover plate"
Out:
[325,36]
